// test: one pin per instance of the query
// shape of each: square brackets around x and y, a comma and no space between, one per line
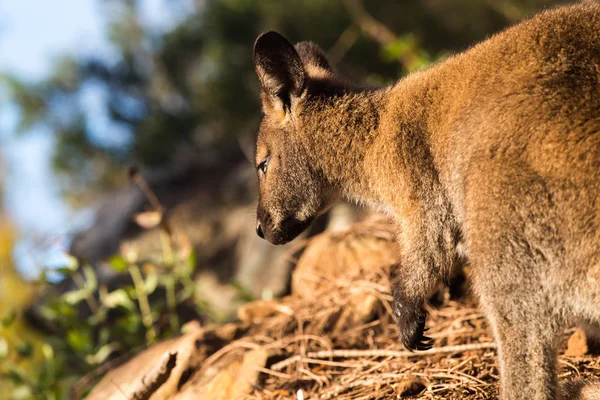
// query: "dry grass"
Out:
[340,342]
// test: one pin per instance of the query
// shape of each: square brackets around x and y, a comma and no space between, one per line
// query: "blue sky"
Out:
[33,35]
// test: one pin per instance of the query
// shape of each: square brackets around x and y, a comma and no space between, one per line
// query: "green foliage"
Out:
[407,50]
[94,324]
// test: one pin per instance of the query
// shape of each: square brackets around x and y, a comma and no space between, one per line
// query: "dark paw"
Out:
[411,326]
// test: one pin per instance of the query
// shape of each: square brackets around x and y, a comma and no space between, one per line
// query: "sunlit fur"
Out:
[491,157]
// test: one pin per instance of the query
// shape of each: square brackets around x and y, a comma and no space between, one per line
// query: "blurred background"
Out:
[127,200]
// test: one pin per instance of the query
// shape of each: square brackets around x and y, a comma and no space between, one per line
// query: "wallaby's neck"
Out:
[338,131]
[370,144]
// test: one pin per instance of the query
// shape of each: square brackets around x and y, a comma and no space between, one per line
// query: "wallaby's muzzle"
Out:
[287,230]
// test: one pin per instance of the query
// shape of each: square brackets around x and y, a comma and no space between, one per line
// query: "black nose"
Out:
[259,231]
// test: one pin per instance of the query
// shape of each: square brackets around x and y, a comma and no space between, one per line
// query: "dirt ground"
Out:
[335,337]
[365,361]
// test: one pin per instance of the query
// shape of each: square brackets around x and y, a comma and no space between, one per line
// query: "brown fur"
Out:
[491,156]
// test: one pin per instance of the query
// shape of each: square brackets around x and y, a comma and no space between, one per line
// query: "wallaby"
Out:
[491,156]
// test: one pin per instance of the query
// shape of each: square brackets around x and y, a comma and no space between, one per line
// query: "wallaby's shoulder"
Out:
[536,63]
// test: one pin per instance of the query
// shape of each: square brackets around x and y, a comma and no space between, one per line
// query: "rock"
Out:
[233,377]
[577,345]
[360,309]
[126,378]
[191,350]
[367,246]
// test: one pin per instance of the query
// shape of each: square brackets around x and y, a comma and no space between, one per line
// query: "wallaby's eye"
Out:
[262,167]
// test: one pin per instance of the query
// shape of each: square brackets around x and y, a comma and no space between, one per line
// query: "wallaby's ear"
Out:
[278,66]
[311,54]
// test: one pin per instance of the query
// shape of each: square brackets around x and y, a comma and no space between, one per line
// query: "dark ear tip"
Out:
[278,65]
[268,39]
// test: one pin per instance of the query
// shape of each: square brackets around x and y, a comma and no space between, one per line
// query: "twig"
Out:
[383,353]
[359,383]
[381,33]
[274,373]
[368,24]
[85,382]
[209,361]
[143,185]
[401,354]
[344,43]
[142,298]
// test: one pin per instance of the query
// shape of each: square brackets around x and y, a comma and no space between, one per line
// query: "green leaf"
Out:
[131,322]
[14,375]
[72,264]
[9,319]
[151,282]
[3,348]
[188,290]
[22,392]
[63,270]
[25,349]
[242,293]
[43,277]
[118,298]
[99,317]
[102,354]
[64,311]
[79,341]
[76,296]
[118,263]
[50,365]
[130,291]
[90,278]
[47,312]
[189,266]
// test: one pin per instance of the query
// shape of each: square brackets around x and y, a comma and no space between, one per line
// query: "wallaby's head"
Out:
[293,190]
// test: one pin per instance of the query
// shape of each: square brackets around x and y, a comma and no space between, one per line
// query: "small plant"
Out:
[95,325]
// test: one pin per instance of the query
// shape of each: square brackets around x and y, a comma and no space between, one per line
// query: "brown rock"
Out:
[233,377]
[127,378]
[361,308]
[367,246]
[191,349]
[577,345]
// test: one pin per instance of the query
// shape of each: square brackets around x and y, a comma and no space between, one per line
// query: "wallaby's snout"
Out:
[287,230]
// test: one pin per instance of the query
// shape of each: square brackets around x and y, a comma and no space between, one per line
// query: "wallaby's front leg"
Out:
[419,270]
[428,241]
[409,294]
